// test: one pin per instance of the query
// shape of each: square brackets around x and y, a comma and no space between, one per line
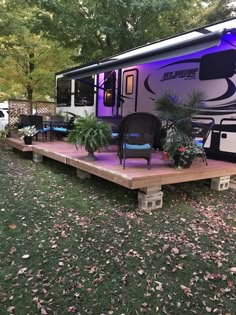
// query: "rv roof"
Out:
[188,42]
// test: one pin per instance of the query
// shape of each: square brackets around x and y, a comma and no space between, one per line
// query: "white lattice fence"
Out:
[16,108]
[45,108]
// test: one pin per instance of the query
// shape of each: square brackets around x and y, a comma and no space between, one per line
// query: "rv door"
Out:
[228,135]
[129,91]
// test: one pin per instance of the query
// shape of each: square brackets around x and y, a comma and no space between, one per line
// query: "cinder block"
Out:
[232,183]
[220,183]
[150,202]
[82,174]
[37,158]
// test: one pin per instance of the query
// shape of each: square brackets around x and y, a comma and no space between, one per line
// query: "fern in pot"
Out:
[91,133]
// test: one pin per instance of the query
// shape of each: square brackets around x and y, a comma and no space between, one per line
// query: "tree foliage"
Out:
[33,32]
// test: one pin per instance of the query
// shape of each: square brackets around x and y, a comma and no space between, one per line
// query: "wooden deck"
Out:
[136,175]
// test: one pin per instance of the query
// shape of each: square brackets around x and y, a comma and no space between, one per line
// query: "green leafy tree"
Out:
[28,60]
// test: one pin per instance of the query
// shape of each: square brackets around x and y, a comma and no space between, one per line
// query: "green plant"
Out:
[91,133]
[178,145]
[28,131]
[3,134]
[179,112]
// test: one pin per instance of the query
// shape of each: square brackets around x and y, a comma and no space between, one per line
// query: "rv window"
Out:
[63,92]
[109,89]
[84,92]
[218,65]
[129,84]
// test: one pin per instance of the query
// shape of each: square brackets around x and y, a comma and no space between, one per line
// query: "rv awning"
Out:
[157,53]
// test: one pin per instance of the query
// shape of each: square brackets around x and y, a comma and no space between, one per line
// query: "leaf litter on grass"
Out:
[88,250]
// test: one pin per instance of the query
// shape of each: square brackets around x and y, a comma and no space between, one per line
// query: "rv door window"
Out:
[109,89]
[129,84]
[84,92]
[218,65]
[63,92]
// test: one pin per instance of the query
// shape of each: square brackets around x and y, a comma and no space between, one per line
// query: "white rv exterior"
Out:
[201,60]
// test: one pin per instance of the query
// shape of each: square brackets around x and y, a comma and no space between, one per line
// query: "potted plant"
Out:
[91,133]
[181,150]
[27,134]
[178,145]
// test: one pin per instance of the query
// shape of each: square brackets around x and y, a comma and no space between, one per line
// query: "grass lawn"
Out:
[72,246]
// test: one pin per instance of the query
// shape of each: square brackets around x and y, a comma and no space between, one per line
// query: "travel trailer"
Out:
[201,60]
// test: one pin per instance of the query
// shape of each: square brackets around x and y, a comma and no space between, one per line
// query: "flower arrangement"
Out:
[28,131]
[181,151]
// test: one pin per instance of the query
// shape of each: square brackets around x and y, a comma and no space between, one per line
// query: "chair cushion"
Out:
[115,135]
[133,134]
[199,143]
[61,129]
[145,146]
[44,129]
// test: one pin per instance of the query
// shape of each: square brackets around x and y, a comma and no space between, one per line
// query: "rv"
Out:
[201,60]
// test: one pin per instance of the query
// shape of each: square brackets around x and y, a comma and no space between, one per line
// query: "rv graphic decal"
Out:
[180,74]
[230,92]
[170,77]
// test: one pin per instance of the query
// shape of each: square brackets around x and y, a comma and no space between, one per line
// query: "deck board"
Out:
[136,175]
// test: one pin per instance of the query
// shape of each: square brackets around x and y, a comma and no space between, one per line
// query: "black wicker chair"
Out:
[37,121]
[200,133]
[137,132]
[24,121]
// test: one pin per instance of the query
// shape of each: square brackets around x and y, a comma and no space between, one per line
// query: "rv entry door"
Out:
[129,91]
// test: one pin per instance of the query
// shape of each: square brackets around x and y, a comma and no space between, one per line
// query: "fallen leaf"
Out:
[12,226]
[26,256]
[175,250]
[22,271]
[186,290]
[43,311]
[233,270]
[141,272]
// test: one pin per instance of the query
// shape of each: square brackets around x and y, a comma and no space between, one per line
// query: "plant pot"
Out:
[28,140]
[90,157]
[183,162]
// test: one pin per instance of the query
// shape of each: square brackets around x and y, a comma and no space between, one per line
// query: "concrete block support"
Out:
[82,174]
[232,183]
[220,183]
[150,198]
[37,158]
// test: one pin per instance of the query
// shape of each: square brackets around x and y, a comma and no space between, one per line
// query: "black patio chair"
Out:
[200,133]
[60,127]
[38,122]
[24,121]
[137,132]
